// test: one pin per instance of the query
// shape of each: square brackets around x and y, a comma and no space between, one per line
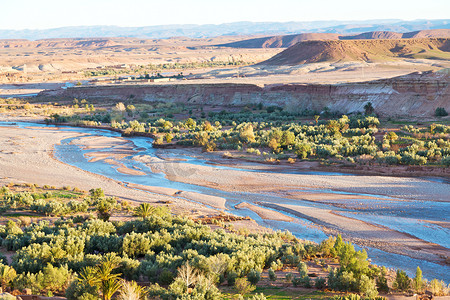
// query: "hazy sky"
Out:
[32,14]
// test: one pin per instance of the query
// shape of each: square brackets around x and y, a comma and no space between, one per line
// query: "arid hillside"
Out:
[27,59]
[281,41]
[116,42]
[374,35]
[362,50]
[436,33]
[285,41]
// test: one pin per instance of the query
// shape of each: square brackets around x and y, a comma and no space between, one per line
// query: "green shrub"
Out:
[302,281]
[105,206]
[347,297]
[254,276]
[446,161]
[272,275]
[382,284]
[3,259]
[320,283]
[257,297]
[166,277]
[302,269]
[418,282]
[243,286]
[367,287]
[7,275]
[402,281]
[231,278]
[339,280]
[78,290]
[55,278]
[437,287]
[97,193]
[440,112]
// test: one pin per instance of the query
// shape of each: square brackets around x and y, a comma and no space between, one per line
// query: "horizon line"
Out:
[218,24]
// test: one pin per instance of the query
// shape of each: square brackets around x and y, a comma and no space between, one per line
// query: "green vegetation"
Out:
[260,133]
[55,203]
[440,112]
[93,258]
[155,247]
[273,134]
[354,139]
[155,69]
[351,140]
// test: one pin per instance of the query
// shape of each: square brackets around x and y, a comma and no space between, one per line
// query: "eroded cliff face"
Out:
[410,95]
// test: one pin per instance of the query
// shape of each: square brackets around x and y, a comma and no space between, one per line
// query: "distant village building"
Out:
[121,66]
[164,79]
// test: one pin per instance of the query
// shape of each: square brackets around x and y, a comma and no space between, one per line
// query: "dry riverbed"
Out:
[345,191]
[26,155]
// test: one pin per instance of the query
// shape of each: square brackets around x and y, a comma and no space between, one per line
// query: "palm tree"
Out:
[316,118]
[88,275]
[109,287]
[102,277]
[368,108]
[144,210]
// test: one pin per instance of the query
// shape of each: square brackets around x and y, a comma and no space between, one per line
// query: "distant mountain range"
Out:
[236,28]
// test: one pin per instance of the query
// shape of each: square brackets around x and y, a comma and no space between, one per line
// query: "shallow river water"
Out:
[403,216]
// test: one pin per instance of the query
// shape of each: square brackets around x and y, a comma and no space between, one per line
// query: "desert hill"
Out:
[95,43]
[50,57]
[285,41]
[436,33]
[281,41]
[361,50]
[374,35]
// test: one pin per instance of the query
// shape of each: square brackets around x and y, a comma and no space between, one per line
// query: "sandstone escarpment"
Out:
[417,94]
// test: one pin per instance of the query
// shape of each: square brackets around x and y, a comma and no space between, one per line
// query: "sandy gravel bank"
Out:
[321,188]
[366,234]
[26,157]
[237,180]
[265,213]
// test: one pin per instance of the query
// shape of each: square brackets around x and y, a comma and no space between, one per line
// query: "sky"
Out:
[43,14]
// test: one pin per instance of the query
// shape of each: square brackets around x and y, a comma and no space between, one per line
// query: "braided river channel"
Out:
[415,217]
